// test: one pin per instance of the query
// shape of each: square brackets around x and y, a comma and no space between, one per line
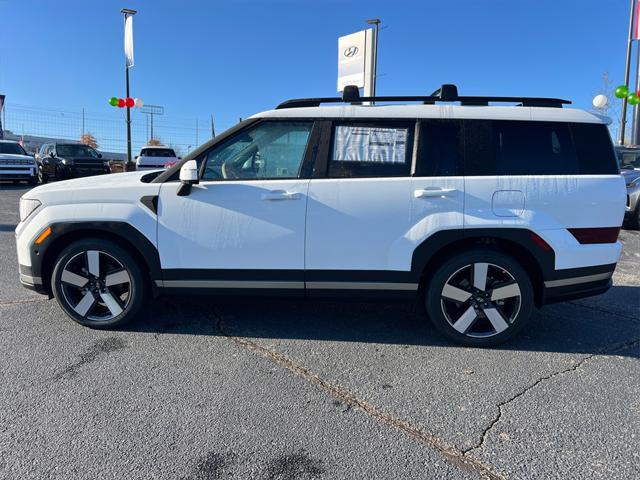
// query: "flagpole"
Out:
[623,117]
[127,12]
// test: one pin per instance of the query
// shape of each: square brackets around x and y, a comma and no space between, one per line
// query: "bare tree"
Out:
[89,139]
[613,108]
[154,142]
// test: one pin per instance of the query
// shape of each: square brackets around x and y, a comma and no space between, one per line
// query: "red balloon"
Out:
[129,102]
[120,102]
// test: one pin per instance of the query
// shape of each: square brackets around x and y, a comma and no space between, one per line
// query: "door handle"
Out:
[280,195]
[434,192]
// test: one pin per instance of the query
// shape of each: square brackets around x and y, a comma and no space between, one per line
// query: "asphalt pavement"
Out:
[273,389]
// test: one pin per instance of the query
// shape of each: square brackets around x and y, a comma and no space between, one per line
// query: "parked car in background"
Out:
[629,161]
[154,158]
[61,161]
[16,164]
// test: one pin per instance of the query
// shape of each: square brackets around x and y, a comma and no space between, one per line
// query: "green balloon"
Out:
[622,91]
[113,101]
[633,99]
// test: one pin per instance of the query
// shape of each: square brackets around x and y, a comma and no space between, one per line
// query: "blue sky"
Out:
[234,58]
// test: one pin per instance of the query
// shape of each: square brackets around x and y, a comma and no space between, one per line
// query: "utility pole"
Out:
[82,122]
[623,117]
[213,132]
[128,12]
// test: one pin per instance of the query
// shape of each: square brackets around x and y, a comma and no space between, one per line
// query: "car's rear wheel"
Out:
[98,283]
[481,297]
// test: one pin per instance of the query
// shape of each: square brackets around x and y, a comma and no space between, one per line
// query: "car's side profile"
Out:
[479,213]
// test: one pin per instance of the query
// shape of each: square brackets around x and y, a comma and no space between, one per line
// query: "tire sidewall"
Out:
[446,269]
[137,285]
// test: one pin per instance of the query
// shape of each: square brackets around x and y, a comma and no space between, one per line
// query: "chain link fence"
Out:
[38,125]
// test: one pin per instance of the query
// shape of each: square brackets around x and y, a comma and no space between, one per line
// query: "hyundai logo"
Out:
[351,51]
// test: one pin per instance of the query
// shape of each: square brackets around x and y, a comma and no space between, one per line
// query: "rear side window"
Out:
[157,152]
[440,148]
[594,149]
[519,148]
[371,150]
[499,147]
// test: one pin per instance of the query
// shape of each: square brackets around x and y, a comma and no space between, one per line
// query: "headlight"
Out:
[66,161]
[633,182]
[27,206]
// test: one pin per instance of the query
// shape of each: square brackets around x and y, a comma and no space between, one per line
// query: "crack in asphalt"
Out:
[18,302]
[602,310]
[572,368]
[456,457]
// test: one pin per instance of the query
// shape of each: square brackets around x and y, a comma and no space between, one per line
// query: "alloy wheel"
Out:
[481,300]
[96,285]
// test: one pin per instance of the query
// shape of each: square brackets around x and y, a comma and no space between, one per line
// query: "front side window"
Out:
[369,150]
[270,150]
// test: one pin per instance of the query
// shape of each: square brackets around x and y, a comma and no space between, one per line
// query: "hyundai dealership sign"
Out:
[355,60]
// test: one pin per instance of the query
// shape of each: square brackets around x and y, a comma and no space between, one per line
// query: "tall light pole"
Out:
[128,12]
[376,22]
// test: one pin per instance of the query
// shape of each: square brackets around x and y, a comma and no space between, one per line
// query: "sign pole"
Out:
[623,117]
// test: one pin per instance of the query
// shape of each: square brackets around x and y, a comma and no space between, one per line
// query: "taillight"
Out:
[596,235]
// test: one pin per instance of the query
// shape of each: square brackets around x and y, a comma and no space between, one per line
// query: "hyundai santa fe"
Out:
[477,208]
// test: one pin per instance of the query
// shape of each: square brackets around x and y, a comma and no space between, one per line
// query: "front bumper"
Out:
[17,172]
[31,282]
[72,171]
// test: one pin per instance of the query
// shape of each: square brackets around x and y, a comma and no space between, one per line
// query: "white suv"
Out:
[477,212]
[156,157]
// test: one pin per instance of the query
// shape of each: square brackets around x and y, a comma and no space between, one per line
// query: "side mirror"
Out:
[52,155]
[188,177]
[99,155]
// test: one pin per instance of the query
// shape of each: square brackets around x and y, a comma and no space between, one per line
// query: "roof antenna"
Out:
[446,93]
[351,94]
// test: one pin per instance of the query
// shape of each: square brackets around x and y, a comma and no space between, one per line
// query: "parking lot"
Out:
[281,390]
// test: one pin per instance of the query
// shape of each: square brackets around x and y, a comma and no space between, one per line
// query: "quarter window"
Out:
[371,150]
[270,150]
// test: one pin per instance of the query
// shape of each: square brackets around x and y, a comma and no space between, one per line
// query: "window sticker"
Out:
[370,144]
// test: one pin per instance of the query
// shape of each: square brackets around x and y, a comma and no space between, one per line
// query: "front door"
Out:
[243,225]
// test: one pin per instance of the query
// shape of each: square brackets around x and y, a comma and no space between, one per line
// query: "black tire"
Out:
[634,222]
[112,260]
[480,320]
[33,181]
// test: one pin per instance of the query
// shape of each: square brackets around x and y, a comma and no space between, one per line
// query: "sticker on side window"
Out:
[370,144]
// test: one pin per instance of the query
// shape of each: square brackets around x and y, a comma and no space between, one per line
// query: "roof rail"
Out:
[446,93]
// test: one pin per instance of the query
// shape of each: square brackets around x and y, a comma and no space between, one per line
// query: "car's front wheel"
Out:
[98,283]
[480,297]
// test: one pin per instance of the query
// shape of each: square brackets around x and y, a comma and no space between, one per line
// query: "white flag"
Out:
[128,40]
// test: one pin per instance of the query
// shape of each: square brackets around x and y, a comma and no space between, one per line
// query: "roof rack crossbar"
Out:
[447,93]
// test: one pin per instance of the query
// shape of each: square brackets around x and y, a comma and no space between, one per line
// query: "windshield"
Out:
[157,152]
[628,159]
[75,151]
[12,148]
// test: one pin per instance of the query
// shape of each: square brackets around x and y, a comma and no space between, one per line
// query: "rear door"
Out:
[373,206]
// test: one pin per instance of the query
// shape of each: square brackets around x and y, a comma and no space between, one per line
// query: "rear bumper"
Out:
[577,283]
